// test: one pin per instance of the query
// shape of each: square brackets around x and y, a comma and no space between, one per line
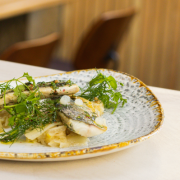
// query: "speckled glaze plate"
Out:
[137,121]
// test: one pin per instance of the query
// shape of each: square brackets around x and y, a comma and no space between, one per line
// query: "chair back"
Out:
[33,52]
[103,38]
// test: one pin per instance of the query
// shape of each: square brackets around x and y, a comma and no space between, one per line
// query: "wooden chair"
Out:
[99,45]
[34,52]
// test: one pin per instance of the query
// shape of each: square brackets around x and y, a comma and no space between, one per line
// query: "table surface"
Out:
[156,159]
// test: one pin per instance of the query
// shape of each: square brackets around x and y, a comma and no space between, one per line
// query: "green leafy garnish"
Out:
[29,112]
[4,86]
[104,88]
[29,78]
[29,116]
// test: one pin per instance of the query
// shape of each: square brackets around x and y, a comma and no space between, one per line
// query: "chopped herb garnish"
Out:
[87,114]
[55,84]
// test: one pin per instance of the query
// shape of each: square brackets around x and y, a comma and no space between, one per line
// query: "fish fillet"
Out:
[82,120]
[46,92]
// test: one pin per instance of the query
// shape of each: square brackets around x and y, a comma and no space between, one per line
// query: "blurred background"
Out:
[149,49]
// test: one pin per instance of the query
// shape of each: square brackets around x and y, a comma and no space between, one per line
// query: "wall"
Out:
[12,30]
[151,49]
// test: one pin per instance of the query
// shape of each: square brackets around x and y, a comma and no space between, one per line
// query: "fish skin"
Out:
[77,113]
[47,92]
[86,125]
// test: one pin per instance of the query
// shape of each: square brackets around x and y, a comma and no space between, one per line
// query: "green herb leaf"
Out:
[11,121]
[103,88]
[21,108]
[18,89]
[29,78]
[112,82]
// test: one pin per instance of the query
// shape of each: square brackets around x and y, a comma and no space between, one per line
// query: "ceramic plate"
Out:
[138,120]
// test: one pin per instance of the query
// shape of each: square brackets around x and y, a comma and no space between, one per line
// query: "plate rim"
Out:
[95,151]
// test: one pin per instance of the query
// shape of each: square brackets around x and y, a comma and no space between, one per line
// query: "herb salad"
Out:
[29,112]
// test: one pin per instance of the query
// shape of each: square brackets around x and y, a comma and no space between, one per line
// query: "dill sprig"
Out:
[104,88]
[29,112]
[35,115]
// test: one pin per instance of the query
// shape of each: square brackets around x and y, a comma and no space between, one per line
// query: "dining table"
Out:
[157,158]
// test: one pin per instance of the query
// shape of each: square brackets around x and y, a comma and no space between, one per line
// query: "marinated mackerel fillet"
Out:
[81,119]
[48,89]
